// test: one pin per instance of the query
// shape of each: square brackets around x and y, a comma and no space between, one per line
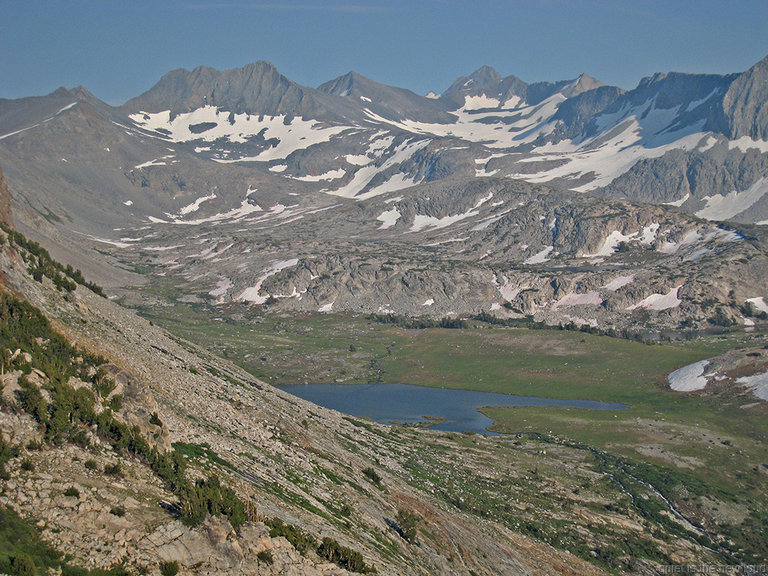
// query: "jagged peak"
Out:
[485,75]
[60,91]
[259,65]
[583,83]
[82,93]
[349,83]
[585,79]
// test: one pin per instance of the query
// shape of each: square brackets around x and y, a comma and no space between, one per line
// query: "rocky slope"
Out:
[478,505]
[466,247]
[6,212]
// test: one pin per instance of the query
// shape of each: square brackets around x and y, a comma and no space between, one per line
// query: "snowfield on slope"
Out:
[689,378]
[210,124]
[252,294]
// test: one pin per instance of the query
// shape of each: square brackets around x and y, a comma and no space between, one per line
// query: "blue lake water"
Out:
[406,403]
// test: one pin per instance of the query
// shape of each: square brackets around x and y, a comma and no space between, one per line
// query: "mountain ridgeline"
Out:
[317,230]
[245,187]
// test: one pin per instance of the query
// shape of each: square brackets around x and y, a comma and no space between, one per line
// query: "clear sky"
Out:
[119,49]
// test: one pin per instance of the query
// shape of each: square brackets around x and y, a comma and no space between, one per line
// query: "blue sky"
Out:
[119,49]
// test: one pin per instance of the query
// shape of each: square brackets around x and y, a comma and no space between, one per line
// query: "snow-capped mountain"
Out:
[357,138]
[198,177]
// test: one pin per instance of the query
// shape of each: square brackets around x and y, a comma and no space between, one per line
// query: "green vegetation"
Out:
[372,475]
[24,553]
[419,323]
[72,492]
[325,348]
[70,413]
[113,469]
[296,536]
[40,263]
[201,453]
[668,452]
[266,557]
[210,497]
[342,556]
[6,453]
[169,568]
[407,524]
[705,453]
[328,548]
[17,538]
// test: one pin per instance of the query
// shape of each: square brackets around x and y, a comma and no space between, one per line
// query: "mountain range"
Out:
[571,201]
[255,201]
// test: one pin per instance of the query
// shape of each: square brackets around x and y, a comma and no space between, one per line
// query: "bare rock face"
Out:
[6,216]
[139,407]
[746,103]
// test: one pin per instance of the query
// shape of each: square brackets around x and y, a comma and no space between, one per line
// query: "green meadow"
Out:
[706,450]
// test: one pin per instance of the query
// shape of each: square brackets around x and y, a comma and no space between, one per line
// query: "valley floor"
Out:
[703,451]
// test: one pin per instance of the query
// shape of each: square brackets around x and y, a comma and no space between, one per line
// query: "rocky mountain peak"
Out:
[584,83]
[746,103]
[59,92]
[485,75]
[483,81]
[386,101]
[350,84]
[255,88]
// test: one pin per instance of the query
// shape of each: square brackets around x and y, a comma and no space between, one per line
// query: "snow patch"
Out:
[252,294]
[365,174]
[429,302]
[759,304]
[619,282]
[745,143]
[397,182]
[507,290]
[540,257]
[591,298]
[195,206]
[67,107]
[155,162]
[480,102]
[659,301]
[483,173]
[758,383]
[325,308]
[721,207]
[483,224]
[357,160]
[671,247]
[388,218]
[222,286]
[330,175]
[648,235]
[298,134]
[689,378]
[482,201]
[421,222]
[611,243]
[110,242]
[678,203]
